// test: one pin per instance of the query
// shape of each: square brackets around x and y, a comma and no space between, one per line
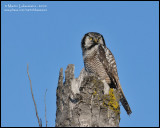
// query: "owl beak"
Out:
[95,40]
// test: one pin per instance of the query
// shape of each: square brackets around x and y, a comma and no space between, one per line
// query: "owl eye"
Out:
[90,38]
[99,39]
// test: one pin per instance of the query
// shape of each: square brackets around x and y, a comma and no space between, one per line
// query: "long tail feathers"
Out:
[123,99]
[125,104]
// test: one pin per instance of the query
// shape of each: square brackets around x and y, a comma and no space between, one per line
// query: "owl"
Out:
[99,60]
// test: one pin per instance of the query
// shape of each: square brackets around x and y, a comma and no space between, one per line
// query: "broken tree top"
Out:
[83,101]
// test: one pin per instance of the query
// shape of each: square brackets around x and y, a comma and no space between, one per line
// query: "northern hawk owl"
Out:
[99,60]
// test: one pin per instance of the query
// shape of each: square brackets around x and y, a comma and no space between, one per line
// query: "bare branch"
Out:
[39,122]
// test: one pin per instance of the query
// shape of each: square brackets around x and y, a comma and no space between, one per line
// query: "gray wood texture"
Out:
[81,102]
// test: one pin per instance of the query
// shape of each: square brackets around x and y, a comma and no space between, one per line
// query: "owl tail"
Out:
[123,100]
[125,104]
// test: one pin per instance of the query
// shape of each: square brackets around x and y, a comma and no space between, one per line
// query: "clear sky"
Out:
[51,39]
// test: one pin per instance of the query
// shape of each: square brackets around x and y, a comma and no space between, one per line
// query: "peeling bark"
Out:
[82,102]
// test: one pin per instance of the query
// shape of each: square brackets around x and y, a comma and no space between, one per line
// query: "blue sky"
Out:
[50,40]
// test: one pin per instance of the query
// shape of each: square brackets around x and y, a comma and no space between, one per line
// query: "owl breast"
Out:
[94,66]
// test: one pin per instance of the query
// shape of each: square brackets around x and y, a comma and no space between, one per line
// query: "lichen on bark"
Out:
[81,101]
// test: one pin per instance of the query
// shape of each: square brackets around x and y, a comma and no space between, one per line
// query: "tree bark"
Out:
[82,101]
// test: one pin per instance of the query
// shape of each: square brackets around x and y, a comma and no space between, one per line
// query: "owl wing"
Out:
[109,65]
[112,73]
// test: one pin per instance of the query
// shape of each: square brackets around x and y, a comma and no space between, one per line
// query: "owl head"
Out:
[90,40]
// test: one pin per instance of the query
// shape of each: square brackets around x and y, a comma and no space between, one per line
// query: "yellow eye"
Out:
[99,39]
[90,38]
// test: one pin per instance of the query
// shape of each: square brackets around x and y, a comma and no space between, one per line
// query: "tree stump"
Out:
[81,102]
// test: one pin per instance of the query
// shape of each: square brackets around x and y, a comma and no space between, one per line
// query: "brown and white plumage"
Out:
[99,60]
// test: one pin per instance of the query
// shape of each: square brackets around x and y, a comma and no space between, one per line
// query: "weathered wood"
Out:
[83,102]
